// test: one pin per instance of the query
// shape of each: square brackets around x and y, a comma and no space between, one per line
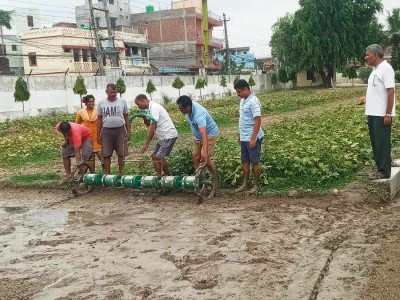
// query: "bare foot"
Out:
[253,190]
[244,187]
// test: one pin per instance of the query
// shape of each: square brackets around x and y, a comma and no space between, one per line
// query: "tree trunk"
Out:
[334,76]
[80,98]
[23,106]
[201,97]
[324,78]
[151,98]
[329,76]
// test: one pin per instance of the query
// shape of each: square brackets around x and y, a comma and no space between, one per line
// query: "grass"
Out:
[35,178]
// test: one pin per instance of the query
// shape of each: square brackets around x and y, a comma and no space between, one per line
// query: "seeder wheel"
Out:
[205,182]
[78,186]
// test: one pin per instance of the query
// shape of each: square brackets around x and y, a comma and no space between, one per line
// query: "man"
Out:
[163,128]
[113,128]
[250,134]
[77,138]
[204,129]
[379,109]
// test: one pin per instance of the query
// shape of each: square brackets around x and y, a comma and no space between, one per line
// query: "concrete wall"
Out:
[54,93]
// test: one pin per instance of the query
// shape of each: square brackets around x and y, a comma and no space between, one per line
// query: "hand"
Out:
[65,144]
[204,157]
[99,138]
[144,148]
[361,101]
[239,140]
[252,143]
[387,120]
[128,136]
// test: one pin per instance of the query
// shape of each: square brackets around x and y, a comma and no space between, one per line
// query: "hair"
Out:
[376,49]
[64,127]
[184,101]
[111,86]
[241,84]
[87,98]
[141,96]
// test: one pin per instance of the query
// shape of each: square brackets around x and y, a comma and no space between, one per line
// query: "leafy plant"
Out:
[293,77]
[223,83]
[150,89]
[121,87]
[80,88]
[363,73]
[201,84]
[251,81]
[397,76]
[282,76]
[21,93]
[166,99]
[352,74]
[178,84]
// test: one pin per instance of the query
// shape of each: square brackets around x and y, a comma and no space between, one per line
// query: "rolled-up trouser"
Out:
[87,150]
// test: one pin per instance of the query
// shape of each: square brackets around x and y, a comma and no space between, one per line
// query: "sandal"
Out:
[377,176]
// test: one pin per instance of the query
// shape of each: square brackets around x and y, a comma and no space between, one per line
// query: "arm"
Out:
[362,100]
[150,136]
[78,155]
[78,119]
[256,129]
[204,145]
[127,126]
[390,101]
[99,127]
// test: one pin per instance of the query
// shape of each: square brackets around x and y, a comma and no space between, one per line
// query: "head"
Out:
[89,101]
[242,88]
[65,128]
[142,101]
[184,104]
[111,91]
[374,55]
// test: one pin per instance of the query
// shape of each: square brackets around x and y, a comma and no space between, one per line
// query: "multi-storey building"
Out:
[119,12]
[66,49]
[21,19]
[240,55]
[176,37]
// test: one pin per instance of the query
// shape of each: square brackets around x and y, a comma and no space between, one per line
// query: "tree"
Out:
[237,78]
[251,81]
[21,93]
[178,84]
[282,76]
[201,84]
[223,82]
[80,88]
[121,87]
[352,74]
[393,20]
[274,80]
[395,41]
[363,73]
[293,77]
[5,20]
[150,89]
[324,34]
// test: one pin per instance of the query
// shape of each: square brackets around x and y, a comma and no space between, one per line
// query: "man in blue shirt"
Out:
[251,134]
[204,129]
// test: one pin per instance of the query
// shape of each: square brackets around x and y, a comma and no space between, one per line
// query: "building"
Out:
[66,49]
[177,40]
[240,55]
[119,12]
[21,19]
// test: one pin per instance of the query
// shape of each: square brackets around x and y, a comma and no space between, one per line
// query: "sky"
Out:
[248,26]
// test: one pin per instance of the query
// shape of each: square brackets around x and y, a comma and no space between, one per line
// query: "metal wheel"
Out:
[205,183]
[78,186]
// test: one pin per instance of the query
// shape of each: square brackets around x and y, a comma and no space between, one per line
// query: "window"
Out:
[135,51]
[77,55]
[144,52]
[128,52]
[113,22]
[14,47]
[67,50]
[110,1]
[310,75]
[93,57]
[244,52]
[85,55]
[97,22]
[30,21]
[120,9]
[32,58]
[3,49]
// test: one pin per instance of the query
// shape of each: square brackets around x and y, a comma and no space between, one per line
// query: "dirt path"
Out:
[121,244]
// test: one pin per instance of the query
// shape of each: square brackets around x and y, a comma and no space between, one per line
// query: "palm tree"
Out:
[5,19]
[393,20]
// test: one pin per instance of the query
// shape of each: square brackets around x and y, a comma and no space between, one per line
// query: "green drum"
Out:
[112,180]
[151,181]
[189,182]
[171,182]
[93,179]
[132,181]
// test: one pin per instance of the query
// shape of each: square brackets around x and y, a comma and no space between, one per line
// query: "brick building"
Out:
[176,39]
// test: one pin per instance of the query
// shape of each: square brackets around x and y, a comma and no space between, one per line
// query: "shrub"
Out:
[178,84]
[363,73]
[150,89]
[121,87]
[397,76]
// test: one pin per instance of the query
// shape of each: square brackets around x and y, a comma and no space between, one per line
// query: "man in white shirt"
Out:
[163,128]
[379,109]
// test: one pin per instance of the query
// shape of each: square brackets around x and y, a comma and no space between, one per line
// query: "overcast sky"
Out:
[250,21]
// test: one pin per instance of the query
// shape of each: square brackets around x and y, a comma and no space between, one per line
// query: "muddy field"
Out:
[120,244]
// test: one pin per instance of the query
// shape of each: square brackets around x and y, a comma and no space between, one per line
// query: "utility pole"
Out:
[227,55]
[93,24]
[113,56]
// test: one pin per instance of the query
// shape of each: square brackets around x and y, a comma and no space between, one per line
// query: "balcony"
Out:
[86,67]
[212,42]
[135,60]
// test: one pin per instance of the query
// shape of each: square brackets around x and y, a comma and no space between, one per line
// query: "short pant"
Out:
[197,145]
[87,150]
[163,148]
[114,139]
[250,155]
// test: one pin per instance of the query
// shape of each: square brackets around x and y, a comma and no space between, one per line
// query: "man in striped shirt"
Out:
[250,134]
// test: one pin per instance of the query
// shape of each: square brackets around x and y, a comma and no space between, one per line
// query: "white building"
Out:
[22,19]
[119,11]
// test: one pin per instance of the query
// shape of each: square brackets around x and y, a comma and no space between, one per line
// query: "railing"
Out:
[135,61]
[85,66]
